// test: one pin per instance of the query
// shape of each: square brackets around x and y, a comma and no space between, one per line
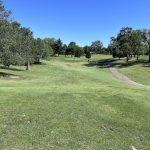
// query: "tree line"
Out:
[17,44]
[19,47]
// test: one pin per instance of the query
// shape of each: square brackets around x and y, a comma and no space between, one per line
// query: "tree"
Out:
[97,47]
[78,51]
[64,48]
[10,43]
[124,41]
[115,49]
[70,49]
[38,49]
[49,45]
[58,47]
[5,37]
[85,49]
[88,55]
[26,46]
[137,42]
[147,41]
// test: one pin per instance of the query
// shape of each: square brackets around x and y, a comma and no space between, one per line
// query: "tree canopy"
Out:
[130,43]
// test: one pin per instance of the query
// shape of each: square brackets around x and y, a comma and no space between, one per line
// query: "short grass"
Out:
[64,104]
[137,71]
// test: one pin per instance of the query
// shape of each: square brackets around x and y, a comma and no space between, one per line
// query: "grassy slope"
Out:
[138,72]
[66,105]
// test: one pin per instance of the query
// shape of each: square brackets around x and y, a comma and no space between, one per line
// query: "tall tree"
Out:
[114,48]
[87,53]
[147,40]
[97,47]
[58,47]
[124,40]
[27,39]
[38,49]
[5,36]
[70,50]
[137,42]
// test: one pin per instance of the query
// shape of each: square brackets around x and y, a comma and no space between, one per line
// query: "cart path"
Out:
[124,78]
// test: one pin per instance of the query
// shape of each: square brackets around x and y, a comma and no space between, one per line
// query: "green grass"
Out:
[66,105]
[139,72]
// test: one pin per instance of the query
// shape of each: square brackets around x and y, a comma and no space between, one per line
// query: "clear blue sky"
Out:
[82,21]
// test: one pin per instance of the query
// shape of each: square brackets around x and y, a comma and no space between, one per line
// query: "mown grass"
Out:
[64,104]
[138,71]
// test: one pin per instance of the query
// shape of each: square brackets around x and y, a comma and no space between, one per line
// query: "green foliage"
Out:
[6,58]
[129,42]
[146,34]
[58,47]
[74,49]
[78,52]
[17,45]
[88,55]
[96,47]
[41,50]
[70,50]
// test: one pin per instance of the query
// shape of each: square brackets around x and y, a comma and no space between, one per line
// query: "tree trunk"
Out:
[28,66]
[127,57]
[38,60]
[137,57]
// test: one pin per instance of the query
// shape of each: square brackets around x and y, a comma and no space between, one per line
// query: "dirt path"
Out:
[124,78]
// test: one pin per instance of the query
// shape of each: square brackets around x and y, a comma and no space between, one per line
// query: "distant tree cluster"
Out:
[129,43]
[72,49]
[19,47]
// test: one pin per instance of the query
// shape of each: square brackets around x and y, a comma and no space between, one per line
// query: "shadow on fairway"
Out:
[105,63]
[12,69]
[7,75]
[40,64]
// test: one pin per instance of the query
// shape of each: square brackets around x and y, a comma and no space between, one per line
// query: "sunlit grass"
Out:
[64,104]
[139,72]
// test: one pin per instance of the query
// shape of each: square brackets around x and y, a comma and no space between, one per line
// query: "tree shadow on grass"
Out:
[103,63]
[124,64]
[7,75]
[40,64]
[106,63]
[12,69]
[16,69]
